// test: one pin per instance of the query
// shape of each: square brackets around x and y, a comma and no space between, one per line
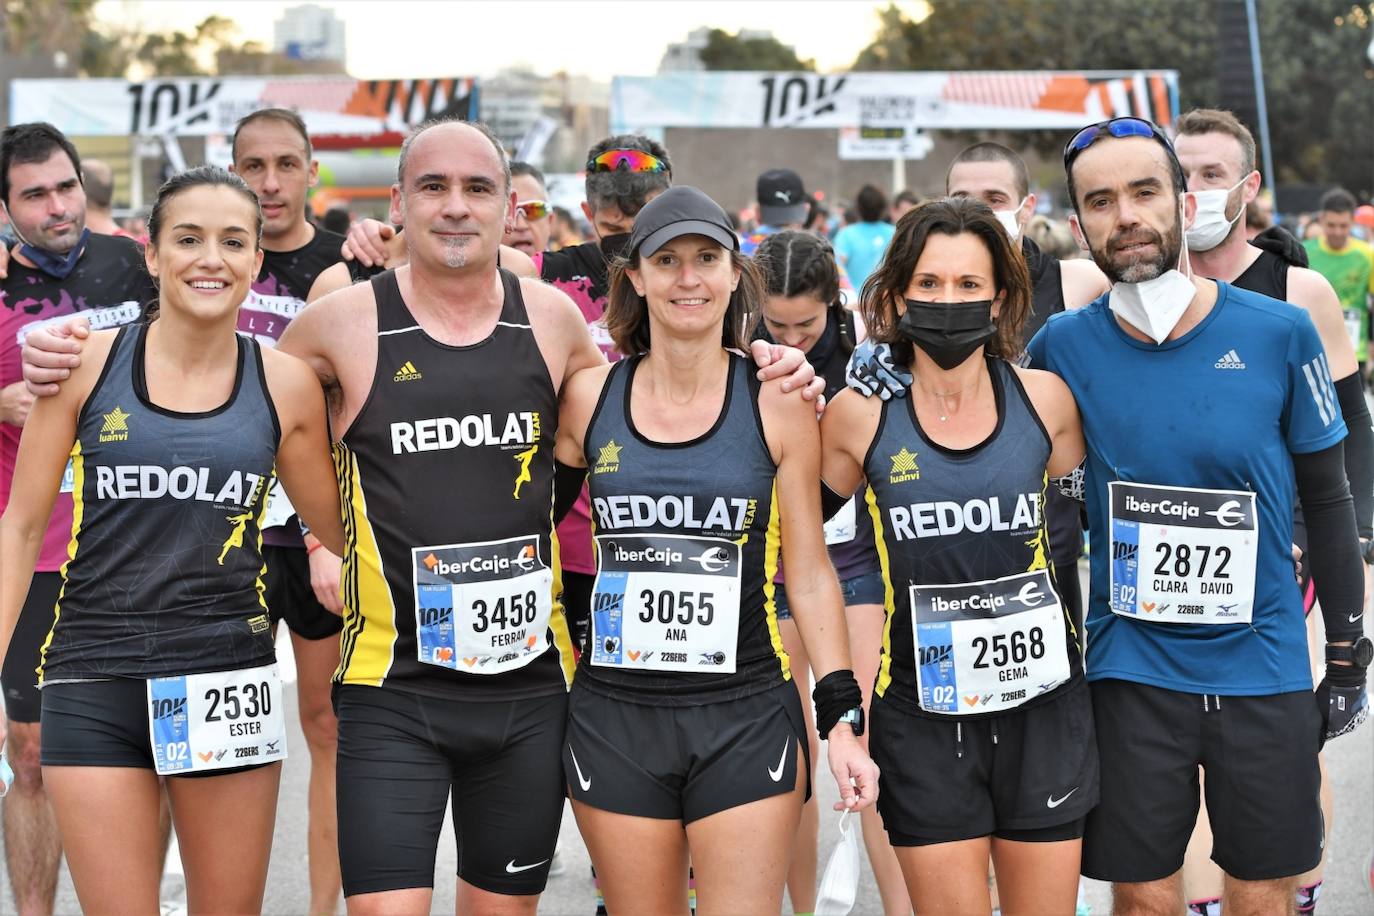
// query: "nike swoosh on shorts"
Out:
[583,781]
[776,774]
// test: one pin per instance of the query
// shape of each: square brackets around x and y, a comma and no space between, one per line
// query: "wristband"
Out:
[313,547]
[834,695]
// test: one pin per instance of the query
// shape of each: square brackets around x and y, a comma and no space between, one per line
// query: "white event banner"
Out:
[968,100]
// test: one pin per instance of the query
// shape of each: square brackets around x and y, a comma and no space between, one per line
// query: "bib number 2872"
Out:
[1182,555]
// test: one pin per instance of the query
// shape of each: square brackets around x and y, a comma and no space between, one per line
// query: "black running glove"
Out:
[1342,699]
[871,371]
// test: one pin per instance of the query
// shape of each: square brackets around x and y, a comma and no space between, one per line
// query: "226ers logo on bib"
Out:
[666,602]
[1181,555]
[988,646]
[482,608]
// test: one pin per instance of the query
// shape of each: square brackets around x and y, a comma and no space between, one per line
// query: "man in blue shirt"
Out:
[861,245]
[1206,408]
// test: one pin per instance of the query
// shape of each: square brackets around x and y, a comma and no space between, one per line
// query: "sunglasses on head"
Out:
[628,160]
[534,209]
[1117,127]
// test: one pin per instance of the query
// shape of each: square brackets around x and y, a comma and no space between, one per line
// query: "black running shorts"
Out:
[683,762]
[1029,774]
[290,597]
[1259,755]
[104,724]
[401,756]
[20,675]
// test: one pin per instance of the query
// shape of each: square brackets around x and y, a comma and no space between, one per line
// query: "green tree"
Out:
[724,51]
[1319,83]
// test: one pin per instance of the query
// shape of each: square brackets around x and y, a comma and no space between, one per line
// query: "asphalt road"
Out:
[1350,762]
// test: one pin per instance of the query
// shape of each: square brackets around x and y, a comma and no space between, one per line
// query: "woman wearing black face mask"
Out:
[981,722]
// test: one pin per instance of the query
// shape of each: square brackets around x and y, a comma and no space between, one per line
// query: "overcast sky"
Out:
[599,38]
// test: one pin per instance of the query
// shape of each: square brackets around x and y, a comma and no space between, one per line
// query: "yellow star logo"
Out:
[609,458]
[904,467]
[116,427]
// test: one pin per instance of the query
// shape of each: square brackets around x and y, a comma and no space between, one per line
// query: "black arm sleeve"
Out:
[831,502]
[567,486]
[1359,451]
[1334,554]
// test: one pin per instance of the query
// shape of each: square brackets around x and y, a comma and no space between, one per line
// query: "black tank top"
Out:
[1267,275]
[166,562]
[971,520]
[450,581]
[687,545]
[1047,288]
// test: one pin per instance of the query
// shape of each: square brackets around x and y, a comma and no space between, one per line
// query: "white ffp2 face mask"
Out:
[1210,223]
[1011,219]
[1154,306]
[840,884]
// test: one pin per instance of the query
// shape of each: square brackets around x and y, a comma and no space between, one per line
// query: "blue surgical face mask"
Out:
[56,265]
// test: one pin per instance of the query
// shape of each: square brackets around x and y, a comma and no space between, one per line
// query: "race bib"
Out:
[212,721]
[1181,555]
[279,508]
[666,602]
[1354,326]
[843,526]
[482,608]
[68,479]
[988,646]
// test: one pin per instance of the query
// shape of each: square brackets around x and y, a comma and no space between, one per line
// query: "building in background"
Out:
[309,32]
[686,55]
[520,105]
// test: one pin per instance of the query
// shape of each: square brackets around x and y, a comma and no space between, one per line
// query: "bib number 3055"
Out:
[666,603]
[217,720]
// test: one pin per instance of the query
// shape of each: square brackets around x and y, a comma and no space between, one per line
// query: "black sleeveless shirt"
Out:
[1266,275]
[687,540]
[963,543]
[166,562]
[450,581]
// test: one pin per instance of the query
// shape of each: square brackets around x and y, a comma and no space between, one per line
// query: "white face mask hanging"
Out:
[1210,223]
[840,884]
[1154,306]
[1011,219]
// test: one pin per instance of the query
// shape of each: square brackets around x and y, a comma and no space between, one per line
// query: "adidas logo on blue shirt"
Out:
[1230,360]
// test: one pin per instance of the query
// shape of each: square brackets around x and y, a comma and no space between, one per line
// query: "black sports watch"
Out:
[855,719]
[1359,653]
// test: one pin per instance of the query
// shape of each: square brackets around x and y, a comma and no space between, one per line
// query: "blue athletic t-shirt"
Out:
[1221,409]
[862,246]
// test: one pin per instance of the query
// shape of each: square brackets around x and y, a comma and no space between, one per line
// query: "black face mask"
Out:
[948,332]
[615,246]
